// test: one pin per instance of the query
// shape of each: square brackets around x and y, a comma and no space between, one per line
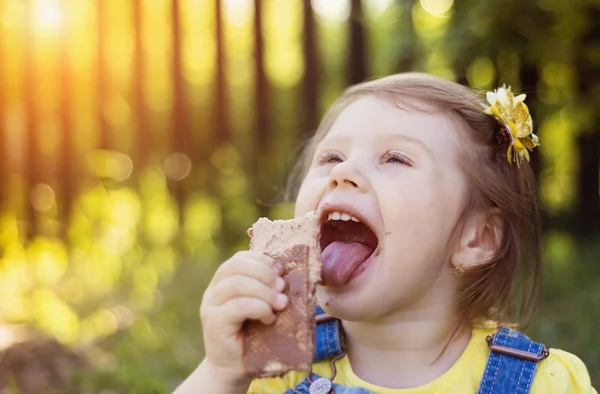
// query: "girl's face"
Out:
[397,172]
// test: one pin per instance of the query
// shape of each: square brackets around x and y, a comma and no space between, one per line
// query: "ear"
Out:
[481,235]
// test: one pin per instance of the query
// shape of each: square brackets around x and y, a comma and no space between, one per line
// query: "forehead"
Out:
[369,120]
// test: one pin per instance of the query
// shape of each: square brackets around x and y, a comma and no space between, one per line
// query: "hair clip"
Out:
[516,123]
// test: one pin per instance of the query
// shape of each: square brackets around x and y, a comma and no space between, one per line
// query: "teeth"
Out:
[342,216]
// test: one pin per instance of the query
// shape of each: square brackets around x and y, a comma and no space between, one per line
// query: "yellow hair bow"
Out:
[517,126]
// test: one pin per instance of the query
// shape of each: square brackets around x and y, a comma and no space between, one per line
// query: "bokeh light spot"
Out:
[42,197]
[557,74]
[226,159]
[178,166]
[481,73]
[50,258]
[123,315]
[110,164]
[379,6]
[332,10]
[436,7]
[238,12]
[54,316]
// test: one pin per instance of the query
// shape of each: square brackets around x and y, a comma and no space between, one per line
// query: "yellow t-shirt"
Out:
[561,372]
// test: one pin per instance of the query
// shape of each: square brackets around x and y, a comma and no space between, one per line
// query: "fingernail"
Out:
[281,300]
[279,283]
[278,267]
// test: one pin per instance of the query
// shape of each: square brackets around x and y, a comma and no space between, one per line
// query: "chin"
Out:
[349,303]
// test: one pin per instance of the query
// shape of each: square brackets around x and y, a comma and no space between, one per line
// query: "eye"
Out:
[330,157]
[395,157]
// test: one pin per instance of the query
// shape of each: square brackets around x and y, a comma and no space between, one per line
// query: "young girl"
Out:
[441,180]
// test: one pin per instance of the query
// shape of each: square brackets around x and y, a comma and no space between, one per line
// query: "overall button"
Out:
[320,386]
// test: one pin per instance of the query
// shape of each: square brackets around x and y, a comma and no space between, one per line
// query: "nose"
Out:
[346,174]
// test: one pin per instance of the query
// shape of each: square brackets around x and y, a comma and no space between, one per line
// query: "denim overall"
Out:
[510,366]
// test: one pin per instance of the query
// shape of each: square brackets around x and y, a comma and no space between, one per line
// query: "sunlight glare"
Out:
[332,10]
[48,14]
[436,7]
[238,12]
[379,6]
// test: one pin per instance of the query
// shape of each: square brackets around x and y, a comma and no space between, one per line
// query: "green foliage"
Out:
[567,315]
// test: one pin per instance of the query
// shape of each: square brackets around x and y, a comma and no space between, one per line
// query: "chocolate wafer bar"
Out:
[287,344]
[272,350]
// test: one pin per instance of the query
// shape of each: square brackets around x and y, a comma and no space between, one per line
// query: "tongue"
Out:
[340,260]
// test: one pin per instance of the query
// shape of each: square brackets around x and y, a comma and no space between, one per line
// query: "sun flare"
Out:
[47,14]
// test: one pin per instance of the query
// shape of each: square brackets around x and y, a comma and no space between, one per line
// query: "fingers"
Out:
[253,264]
[245,286]
[237,310]
[248,286]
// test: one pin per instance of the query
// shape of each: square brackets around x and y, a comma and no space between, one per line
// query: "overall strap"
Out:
[511,364]
[329,340]
[329,345]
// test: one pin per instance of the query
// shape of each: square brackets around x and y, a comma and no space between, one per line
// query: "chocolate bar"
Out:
[272,350]
[287,344]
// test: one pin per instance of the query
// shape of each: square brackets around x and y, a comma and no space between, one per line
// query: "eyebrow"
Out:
[390,137]
[412,140]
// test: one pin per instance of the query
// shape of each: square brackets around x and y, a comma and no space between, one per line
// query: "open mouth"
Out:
[347,243]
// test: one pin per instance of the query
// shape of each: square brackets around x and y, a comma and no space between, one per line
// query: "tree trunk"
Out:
[101,74]
[222,129]
[4,156]
[261,131]
[588,207]
[406,60]
[221,126]
[459,19]
[308,107]
[67,165]
[356,60]
[180,120]
[140,115]
[33,154]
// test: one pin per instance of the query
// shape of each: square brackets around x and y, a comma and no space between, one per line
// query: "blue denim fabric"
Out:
[503,374]
[302,388]
[328,338]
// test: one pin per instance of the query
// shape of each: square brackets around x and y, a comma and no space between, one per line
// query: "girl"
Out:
[443,184]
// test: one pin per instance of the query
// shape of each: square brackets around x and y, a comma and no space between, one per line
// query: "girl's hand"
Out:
[247,286]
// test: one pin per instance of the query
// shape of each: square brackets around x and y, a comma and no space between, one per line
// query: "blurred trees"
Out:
[140,139]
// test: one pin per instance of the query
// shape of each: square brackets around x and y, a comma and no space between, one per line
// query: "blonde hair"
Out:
[502,290]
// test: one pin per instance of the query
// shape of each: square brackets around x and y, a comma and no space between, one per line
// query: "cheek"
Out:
[410,203]
[422,213]
[308,197]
